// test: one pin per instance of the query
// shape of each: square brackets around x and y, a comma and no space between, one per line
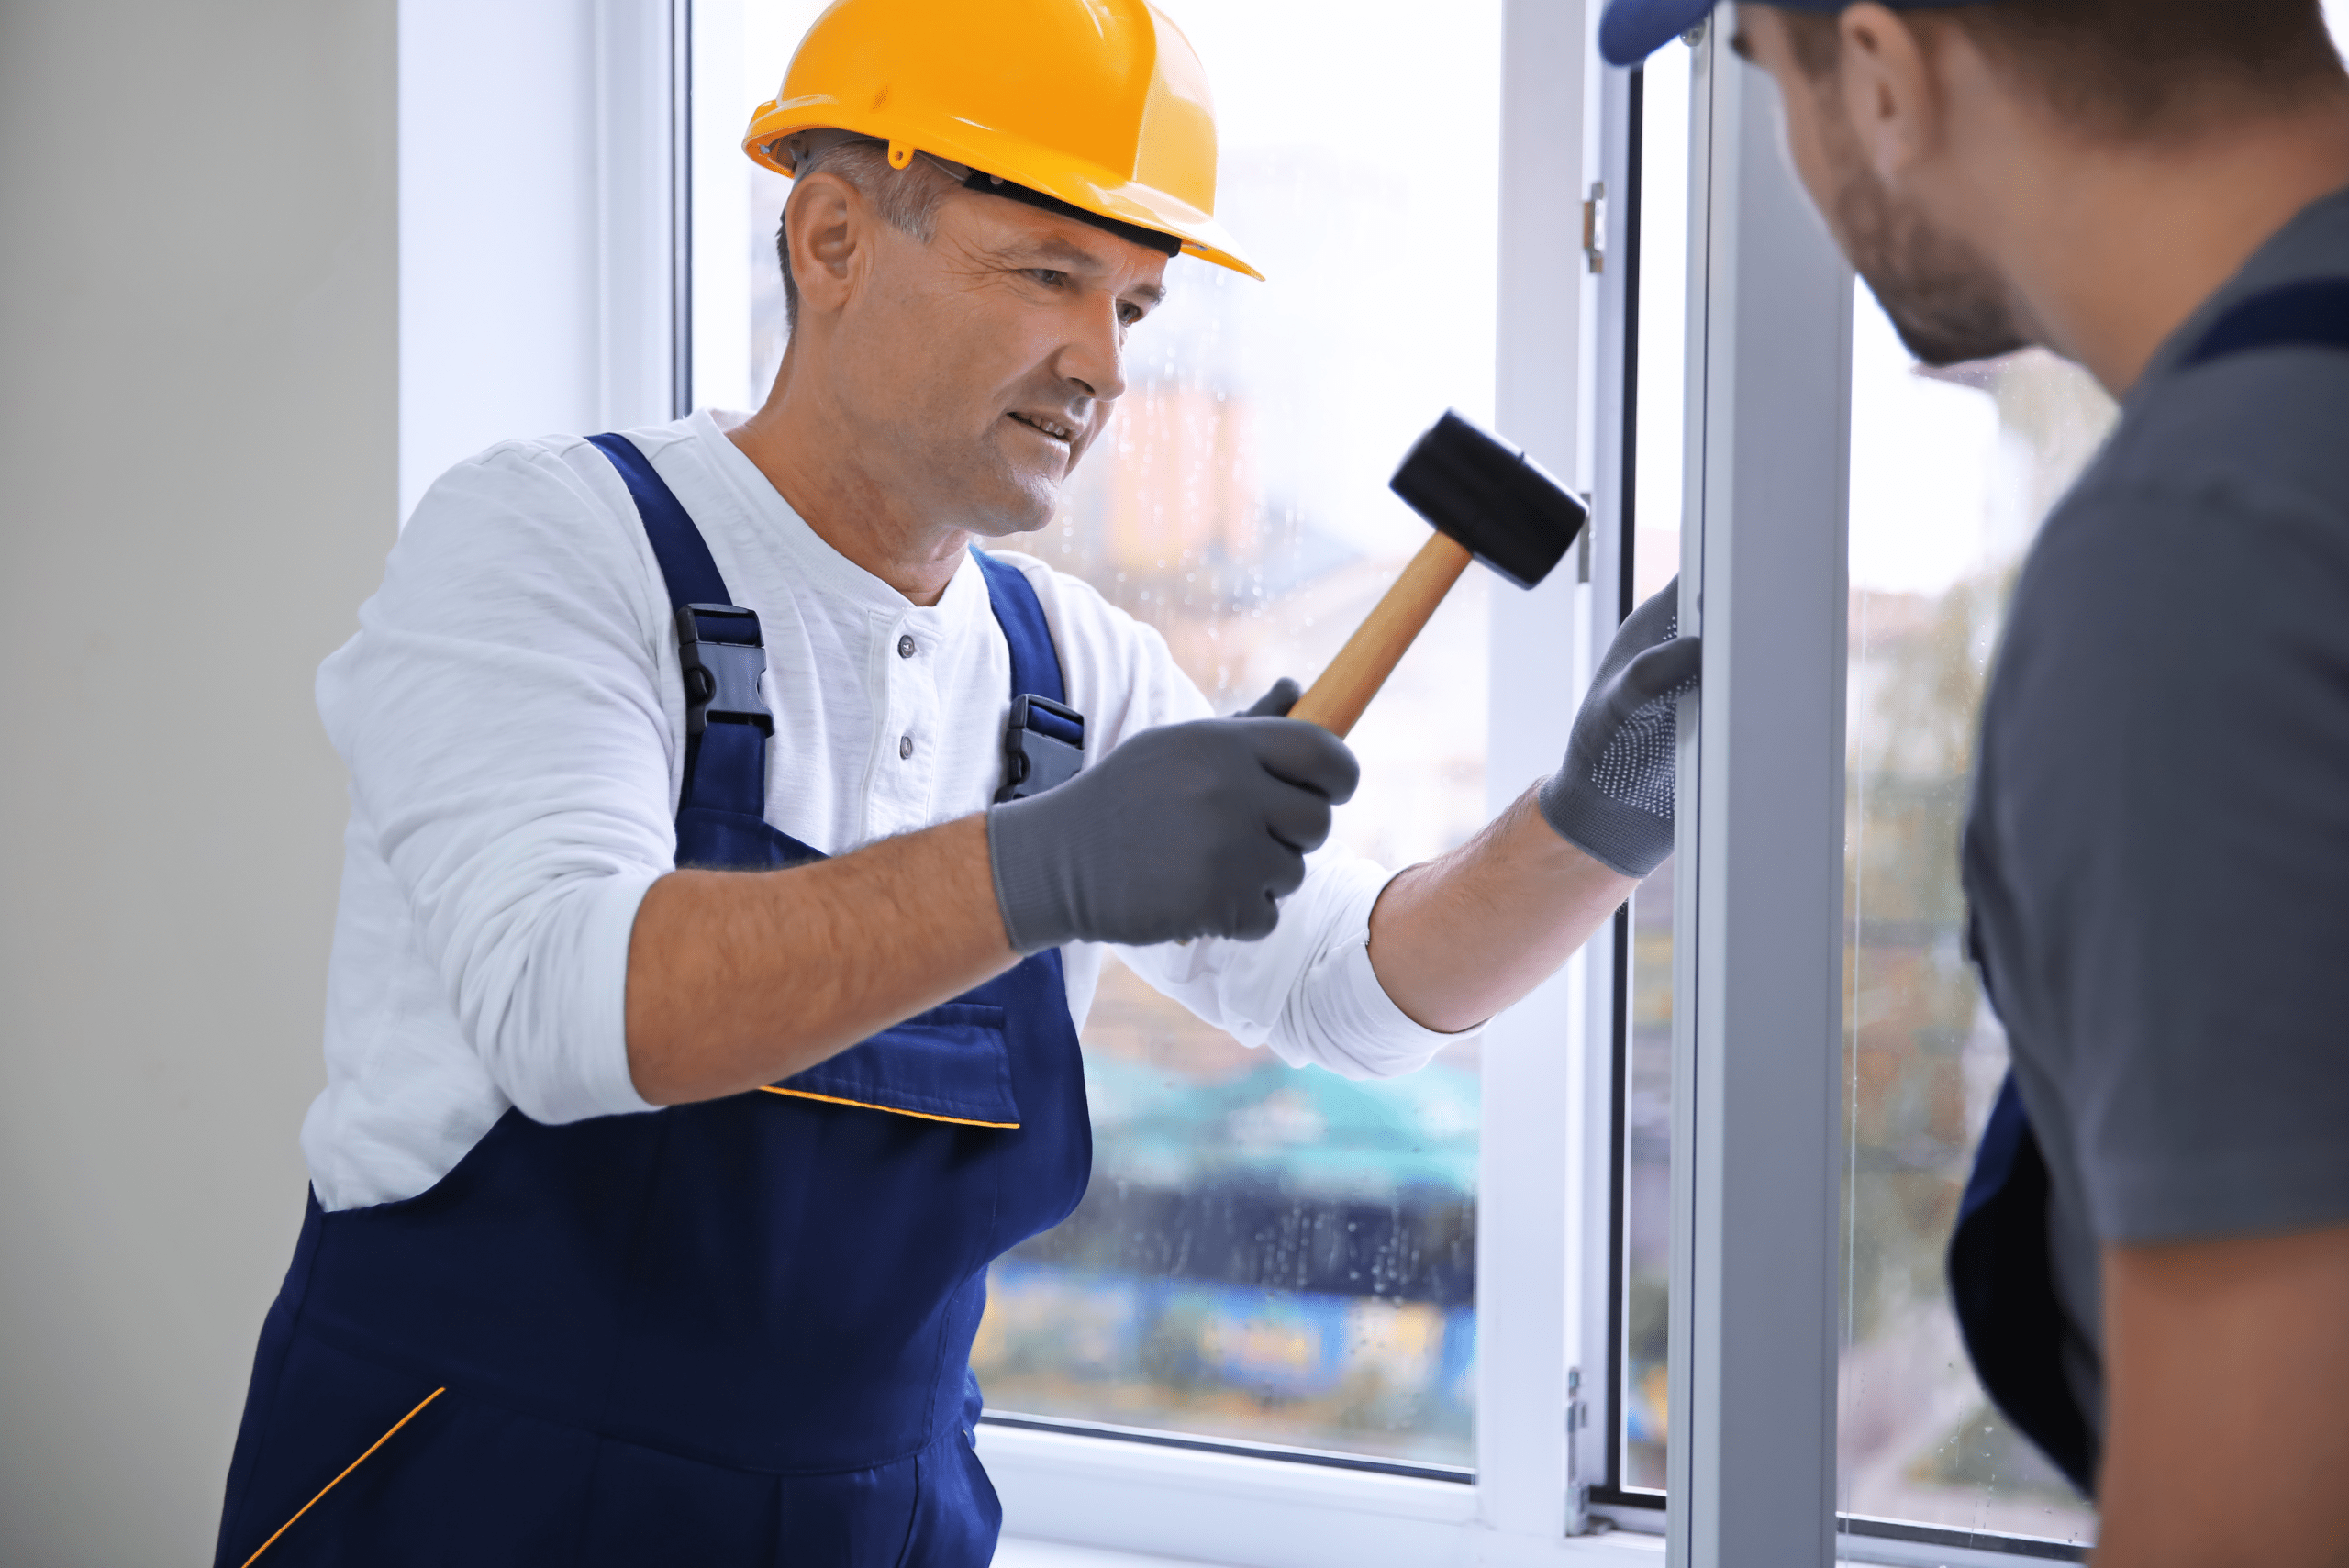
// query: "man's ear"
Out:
[824,225]
[1890,91]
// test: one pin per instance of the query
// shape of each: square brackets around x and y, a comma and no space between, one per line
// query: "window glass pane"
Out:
[1952,473]
[1265,1254]
[1661,346]
[738,54]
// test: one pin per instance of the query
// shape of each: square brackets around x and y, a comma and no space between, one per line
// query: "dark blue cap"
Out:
[1630,30]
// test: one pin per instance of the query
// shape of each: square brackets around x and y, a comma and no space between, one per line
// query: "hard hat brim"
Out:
[991,152]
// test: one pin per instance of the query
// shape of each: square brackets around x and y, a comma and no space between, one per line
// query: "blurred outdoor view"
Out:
[1266,1254]
[1951,473]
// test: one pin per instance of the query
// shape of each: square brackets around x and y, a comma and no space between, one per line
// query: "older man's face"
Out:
[1946,301]
[989,359]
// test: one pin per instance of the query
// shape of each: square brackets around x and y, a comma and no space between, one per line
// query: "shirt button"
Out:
[905,747]
[906,646]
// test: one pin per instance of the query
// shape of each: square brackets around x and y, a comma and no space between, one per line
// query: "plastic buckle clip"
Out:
[725,662]
[1043,746]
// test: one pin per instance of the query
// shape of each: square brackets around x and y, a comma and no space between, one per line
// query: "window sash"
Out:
[1757,929]
[1544,1200]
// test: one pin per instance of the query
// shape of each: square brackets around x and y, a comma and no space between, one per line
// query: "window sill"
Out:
[1072,1501]
[1016,1551]
[1021,1552]
[1625,1548]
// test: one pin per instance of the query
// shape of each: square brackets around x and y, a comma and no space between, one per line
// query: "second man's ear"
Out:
[1889,89]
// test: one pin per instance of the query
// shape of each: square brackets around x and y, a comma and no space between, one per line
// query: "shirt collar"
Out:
[2314,244]
[808,562]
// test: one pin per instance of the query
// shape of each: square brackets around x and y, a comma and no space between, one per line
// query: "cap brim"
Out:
[1630,30]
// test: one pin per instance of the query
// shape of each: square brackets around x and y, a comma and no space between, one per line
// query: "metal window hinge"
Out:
[1594,226]
[1578,1484]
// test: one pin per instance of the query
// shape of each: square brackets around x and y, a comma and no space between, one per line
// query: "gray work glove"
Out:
[1613,798]
[1187,830]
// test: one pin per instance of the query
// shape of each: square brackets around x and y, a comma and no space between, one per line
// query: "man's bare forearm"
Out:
[2226,1404]
[737,979]
[1457,939]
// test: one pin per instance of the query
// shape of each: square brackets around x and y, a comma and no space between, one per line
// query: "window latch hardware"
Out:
[1594,226]
[1578,1521]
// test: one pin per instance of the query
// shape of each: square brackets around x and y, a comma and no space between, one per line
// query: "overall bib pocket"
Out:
[951,1063]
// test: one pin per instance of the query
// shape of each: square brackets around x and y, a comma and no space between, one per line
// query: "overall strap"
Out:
[1043,744]
[2311,315]
[1035,662]
[727,718]
[685,562]
[2003,1288]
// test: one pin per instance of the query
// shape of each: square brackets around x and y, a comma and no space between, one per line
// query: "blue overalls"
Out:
[727,1334]
[2000,1274]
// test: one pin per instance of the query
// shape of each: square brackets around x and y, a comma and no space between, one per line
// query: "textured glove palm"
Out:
[1190,830]
[1613,798]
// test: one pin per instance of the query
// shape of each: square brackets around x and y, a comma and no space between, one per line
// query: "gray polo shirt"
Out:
[2157,856]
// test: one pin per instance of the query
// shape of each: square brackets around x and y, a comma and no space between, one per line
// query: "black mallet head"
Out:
[1491,497]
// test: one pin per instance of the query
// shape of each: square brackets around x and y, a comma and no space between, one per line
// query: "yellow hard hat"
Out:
[1097,104]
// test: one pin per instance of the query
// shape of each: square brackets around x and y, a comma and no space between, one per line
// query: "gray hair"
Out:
[907,199]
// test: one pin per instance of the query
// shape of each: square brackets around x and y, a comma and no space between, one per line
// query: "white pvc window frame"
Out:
[1757,936]
[1751,1454]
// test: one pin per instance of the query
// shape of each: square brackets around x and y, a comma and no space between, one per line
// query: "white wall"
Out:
[198,465]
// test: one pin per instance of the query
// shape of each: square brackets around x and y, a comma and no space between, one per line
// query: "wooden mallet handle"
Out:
[1370,655]
[1477,488]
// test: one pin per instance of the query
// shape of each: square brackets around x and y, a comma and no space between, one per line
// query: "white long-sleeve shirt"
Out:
[513,716]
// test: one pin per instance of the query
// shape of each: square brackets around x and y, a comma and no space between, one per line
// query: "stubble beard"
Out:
[1944,298]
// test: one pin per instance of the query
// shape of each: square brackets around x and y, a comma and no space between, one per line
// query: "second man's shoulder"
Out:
[2255,436]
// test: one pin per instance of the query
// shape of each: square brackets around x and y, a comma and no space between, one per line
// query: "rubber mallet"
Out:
[1488,502]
